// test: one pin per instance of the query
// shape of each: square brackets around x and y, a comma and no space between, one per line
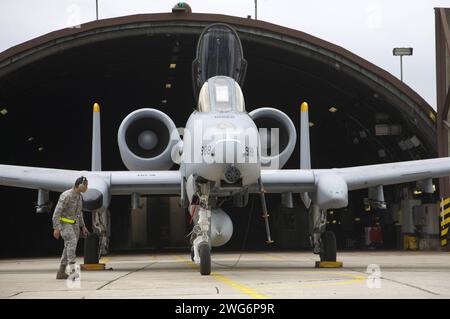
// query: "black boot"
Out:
[61,274]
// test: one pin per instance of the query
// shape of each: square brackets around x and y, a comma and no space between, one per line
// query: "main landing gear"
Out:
[322,241]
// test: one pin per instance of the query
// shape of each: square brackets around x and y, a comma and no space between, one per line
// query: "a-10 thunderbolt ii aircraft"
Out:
[223,154]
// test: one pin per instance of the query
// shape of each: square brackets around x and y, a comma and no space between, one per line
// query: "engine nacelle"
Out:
[221,227]
[275,150]
[331,192]
[146,138]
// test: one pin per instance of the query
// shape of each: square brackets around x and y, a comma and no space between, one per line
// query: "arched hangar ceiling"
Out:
[48,85]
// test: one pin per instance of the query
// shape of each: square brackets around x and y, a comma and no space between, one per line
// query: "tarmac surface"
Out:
[237,276]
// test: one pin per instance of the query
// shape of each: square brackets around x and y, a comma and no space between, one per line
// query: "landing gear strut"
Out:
[322,241]
[201,243]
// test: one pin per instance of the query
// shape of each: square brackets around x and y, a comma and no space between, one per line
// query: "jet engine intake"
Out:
[146,138]
[277,136]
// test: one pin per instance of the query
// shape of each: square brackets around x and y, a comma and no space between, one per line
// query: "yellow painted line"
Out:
[247,290]
[327,284]
[444,231]
[355,279]
[358,277]
[445,221]
[253,293]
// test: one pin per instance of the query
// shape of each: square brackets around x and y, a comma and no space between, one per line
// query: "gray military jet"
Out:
[223,152]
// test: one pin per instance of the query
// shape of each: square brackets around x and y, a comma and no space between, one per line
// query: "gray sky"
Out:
[369,28]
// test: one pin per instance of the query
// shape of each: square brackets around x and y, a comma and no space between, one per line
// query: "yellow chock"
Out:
[93,267]
[329,264]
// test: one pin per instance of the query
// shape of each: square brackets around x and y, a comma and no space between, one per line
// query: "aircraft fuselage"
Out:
[222,148]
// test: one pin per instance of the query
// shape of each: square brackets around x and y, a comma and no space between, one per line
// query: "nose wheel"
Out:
[205,259]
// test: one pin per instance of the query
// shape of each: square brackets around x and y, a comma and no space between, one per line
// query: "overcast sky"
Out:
[369,28]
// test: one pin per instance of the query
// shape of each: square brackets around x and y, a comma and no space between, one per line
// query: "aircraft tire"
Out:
[328,247]
[205,259]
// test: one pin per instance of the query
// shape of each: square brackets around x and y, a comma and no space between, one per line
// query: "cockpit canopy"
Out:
[221,94]
[219,52]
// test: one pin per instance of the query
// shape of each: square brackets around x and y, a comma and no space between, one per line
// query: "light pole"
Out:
[256,9]
[96,8]
[401,52]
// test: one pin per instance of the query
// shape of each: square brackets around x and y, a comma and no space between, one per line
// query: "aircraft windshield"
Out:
[219,52]
[221,94]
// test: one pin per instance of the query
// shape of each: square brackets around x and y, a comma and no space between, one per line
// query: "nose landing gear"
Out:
[201,235]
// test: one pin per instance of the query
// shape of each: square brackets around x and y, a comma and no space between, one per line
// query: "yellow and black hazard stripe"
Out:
[444,220]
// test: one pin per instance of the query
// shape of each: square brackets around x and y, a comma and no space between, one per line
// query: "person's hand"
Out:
[56,233]
[85,231]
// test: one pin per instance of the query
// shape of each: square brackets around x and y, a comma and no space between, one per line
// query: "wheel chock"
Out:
[93,267]
[329,264]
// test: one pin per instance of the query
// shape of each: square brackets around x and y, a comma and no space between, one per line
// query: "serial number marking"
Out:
[257,308]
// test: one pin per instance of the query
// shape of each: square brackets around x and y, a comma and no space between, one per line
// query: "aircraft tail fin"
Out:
[96,140]
[305,151]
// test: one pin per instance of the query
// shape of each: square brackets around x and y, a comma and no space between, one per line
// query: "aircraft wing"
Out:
[358,177]
[274,181]
[287,180]
[145,182]
[57,180]
[121,182]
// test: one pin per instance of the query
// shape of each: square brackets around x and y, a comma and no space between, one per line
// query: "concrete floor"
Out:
[257,275]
